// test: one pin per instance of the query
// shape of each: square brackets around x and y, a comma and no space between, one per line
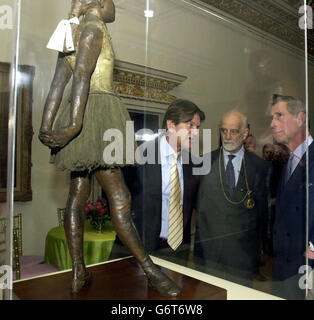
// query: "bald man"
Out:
[231,202]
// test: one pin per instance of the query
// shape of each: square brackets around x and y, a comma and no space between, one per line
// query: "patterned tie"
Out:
[175,231]
[289,167]
[230,174]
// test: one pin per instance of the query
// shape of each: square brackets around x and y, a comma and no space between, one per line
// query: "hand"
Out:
[310,254]
[45,137]
[63,136]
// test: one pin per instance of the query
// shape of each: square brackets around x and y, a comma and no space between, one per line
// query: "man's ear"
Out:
[245,133]
[301,119]
[170,125]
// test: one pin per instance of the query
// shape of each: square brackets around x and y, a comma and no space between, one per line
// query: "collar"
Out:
[238,154]
[166,151]
[300,150]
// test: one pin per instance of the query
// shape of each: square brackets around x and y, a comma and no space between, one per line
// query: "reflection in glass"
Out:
[229,61]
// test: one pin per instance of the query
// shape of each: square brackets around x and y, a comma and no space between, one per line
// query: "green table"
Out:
[97,246]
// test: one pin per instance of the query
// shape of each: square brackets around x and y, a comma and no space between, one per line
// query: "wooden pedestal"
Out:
[119,280]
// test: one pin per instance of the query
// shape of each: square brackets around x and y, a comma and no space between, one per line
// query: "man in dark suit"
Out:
[231,202]
[290,228]
[152,201]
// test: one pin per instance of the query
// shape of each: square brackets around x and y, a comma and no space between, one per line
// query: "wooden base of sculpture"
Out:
[119,280]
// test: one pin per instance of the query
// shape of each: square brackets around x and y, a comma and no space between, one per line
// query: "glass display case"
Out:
[245,66]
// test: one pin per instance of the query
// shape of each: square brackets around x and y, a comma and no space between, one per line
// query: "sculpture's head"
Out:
[80,7]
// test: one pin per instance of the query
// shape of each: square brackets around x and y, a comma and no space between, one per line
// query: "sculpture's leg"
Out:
[80,187]
[112,182]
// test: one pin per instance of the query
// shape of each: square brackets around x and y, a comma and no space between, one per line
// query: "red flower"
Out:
[94,209]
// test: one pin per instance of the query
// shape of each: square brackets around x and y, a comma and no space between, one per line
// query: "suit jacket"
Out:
[147,201]
[229,234]
[290,221]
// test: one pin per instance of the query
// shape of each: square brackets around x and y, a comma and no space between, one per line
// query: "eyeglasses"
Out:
[233,132]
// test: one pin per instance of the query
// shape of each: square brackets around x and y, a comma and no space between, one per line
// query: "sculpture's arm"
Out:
[89,48]
[61,78]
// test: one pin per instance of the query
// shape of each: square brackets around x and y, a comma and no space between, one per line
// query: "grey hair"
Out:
[295,105]
[245,123]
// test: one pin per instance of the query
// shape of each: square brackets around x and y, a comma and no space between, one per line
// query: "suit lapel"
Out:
[250,171]
[298,176]
[152,177]
[215,168]
[187,183]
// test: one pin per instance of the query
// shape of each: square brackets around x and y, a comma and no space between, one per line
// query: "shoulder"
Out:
[254,158]
[148,147]
[311,152]
[208,160]
[215,154]
[211,157]
[91,21]
[256,161]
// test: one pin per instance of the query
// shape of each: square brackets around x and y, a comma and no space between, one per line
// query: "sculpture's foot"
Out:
[80,282]
[159,281]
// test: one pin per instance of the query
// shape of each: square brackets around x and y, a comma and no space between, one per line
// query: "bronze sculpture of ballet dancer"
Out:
[75,131]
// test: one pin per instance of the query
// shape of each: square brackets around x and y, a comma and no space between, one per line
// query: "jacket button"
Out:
[288,234]
[297,208]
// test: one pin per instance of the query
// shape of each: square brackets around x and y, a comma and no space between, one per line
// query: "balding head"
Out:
[233,130]
[235,115]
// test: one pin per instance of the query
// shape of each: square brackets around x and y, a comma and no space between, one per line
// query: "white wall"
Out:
[226,68]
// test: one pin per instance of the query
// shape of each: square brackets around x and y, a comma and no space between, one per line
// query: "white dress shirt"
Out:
[166,158]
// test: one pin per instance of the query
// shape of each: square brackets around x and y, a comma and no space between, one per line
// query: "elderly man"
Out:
[231,202]
[289,127]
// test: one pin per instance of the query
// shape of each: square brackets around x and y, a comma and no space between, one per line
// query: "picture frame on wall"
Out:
[24,131]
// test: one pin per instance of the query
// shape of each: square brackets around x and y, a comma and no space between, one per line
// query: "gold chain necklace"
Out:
[250,203]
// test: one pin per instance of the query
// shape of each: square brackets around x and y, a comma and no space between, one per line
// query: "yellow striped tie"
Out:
[175,231]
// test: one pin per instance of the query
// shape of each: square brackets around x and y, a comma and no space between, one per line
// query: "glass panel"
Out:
[247,57]
[234,241]
[11,114]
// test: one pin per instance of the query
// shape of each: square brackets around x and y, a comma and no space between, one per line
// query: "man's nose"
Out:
[228,135]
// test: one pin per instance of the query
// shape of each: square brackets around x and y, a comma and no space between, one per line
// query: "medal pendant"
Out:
[250,203]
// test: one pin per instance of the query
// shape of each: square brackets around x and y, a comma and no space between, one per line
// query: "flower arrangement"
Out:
[98,213]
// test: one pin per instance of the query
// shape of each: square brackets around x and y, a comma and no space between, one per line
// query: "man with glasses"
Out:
[231,202]
[290,243]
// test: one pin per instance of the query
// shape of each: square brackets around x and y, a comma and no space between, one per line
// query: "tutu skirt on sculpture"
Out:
[86,151]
